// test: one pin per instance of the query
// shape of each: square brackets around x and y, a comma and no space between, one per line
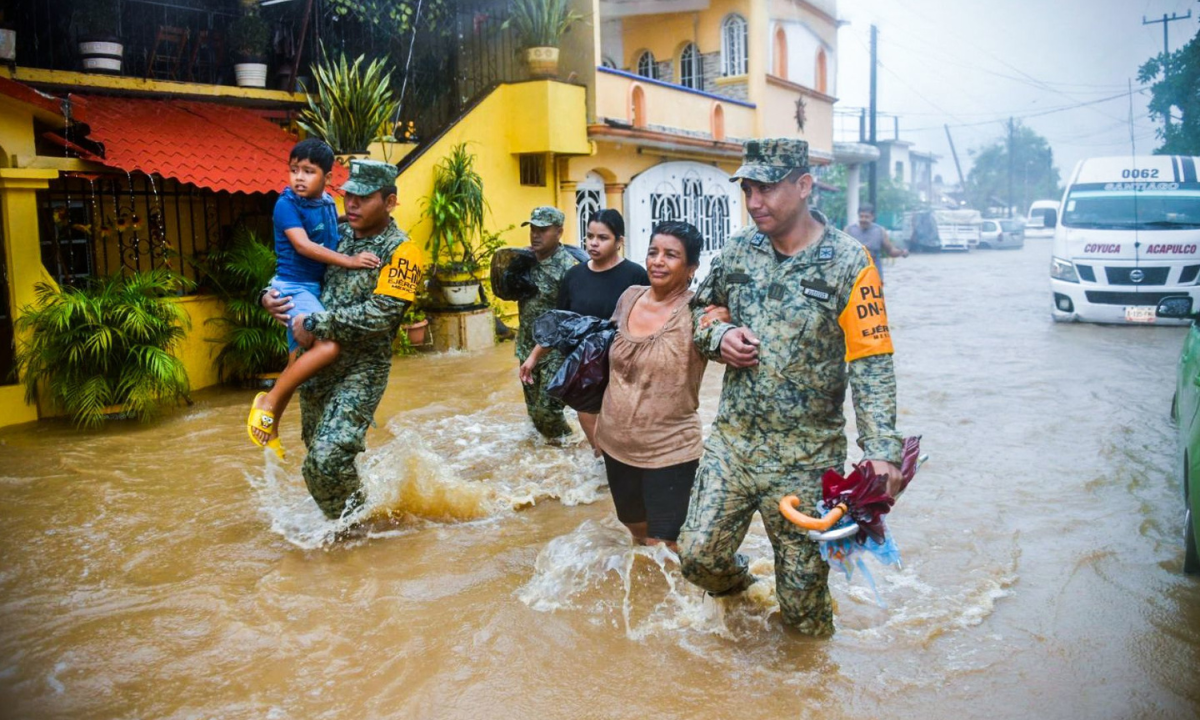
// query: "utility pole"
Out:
[962,182]
[1012,143]
[873,167]
[1166,20]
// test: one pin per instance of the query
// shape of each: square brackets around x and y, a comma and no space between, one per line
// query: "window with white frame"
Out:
[689,67]
[646,67]
[734,35]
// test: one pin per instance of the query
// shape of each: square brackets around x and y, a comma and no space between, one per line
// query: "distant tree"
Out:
[892,198]
[1175,78]
[1034,174]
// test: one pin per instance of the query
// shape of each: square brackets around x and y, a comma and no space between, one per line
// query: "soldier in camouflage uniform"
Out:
[807,314]
[545,233]
[363,312]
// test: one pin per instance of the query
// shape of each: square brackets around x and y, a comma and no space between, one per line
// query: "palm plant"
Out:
[252,342]
[455,210]
[107,343]
[541,23]
[351,105]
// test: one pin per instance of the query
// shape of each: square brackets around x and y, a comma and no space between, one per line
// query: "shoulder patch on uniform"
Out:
[757,240]
[825,252]
[864,321]
[401,277]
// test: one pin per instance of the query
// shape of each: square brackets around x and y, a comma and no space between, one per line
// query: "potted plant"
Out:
[349,104]
[8,40]
[540,25]
[253,346]
[455,211]
[415,325]
[106,344]
[100,47]
[249,38]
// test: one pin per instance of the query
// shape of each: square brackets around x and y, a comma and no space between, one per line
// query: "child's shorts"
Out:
[305,297]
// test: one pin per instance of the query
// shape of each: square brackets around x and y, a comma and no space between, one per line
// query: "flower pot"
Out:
[542,61]
[101,54]
[8,45]
[461,292]
[416,332]
[251,74]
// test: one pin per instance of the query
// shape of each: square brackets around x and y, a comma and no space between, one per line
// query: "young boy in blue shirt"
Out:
[306,238]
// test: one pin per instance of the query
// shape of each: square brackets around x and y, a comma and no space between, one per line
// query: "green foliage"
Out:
[1034,174]
[252,342]
[352,103]
[98,17]
[395,16]
[249,35]
[108,343]
[892,198]
[540,23]
[455,210]
[1175,78]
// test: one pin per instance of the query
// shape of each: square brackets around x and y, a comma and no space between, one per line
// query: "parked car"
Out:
[936,230]
[1016,226]
[1183,412]
[999,234]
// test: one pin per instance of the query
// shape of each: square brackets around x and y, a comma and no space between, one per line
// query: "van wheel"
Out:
[1191,556]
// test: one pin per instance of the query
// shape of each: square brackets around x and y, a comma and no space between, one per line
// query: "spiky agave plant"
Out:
[540,23]
[107,343]
[252,343]
[351,105]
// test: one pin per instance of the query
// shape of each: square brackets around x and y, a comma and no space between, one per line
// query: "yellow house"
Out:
[647,115]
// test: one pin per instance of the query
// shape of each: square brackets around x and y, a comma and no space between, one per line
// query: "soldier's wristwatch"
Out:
[310,323]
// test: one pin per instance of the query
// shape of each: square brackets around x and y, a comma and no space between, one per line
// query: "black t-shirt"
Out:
[587,292]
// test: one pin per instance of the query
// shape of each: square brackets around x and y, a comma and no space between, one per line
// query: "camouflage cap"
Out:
[771,160]
[367,176]
[545,216]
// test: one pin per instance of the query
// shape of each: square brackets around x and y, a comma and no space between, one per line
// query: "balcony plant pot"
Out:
[542,61]
[417,332]
[8,45]
[101,54]
[251,72]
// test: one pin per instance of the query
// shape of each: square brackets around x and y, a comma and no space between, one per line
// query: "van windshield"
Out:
[1133,205]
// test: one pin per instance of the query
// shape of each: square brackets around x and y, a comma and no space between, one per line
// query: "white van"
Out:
[1035,222]
[1129,236]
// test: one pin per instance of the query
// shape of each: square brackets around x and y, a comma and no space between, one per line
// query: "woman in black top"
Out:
[593,288]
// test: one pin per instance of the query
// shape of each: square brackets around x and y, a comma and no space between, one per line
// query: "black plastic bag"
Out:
[583,376]
[563,330]
[577,252]
[511,274]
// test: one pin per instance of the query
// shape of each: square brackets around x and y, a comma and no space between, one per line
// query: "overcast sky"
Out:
[973,63]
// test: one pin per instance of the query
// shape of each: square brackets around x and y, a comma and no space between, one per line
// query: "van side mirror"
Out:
[1051,218]
[1177,307]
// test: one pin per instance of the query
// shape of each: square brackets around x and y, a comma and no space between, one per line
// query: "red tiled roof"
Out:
[219,147]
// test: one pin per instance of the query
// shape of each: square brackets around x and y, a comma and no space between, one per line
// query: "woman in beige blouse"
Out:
[648,427]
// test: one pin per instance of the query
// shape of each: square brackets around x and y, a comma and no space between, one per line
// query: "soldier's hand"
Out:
[303,337]
[739,348]
[525,372]
[891,472]
[277,305]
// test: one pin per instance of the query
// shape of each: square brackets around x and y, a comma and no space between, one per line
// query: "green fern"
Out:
[110,342]
[252,342]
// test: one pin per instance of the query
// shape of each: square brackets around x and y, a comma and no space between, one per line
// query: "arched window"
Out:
[733,45]
[646,66]
[637,102]
[822,83]
[718,122]
[781,58]
[689,67]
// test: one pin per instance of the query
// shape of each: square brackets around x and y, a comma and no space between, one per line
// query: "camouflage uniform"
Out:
[821,320]
[363,312]
[545,411]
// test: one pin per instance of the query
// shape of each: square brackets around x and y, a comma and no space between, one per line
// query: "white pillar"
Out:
[851,194]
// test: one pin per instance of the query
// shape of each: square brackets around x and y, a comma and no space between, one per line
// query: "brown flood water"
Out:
[170,571]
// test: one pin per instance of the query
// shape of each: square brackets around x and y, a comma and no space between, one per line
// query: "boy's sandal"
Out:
[263,420]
